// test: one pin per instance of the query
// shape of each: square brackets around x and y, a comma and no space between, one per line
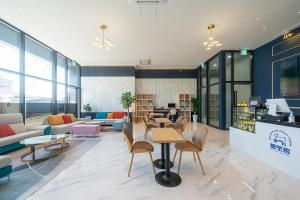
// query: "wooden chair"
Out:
[180,124]
[147,126]
[176,124]
[196,146]
[137,147]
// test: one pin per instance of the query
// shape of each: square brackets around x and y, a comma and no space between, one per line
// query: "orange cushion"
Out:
[110,115]
[6,130]
[72,117]
[55,120]
[119,115]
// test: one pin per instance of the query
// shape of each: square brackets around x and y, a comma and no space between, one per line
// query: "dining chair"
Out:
[180,124]
[195,146]
[147,126]
[176,124]
[137,147]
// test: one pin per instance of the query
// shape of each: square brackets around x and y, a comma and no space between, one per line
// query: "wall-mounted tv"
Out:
[290,76]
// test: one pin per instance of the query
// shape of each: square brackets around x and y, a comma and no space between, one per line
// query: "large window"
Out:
[38,98]
[26,73]
[61,98]
[61,69]
[9,48]
[38,59]
[9,92]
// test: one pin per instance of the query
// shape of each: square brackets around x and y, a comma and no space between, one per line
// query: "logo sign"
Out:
[280,142]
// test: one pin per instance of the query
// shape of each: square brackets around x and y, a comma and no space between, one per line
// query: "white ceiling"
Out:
[173,40]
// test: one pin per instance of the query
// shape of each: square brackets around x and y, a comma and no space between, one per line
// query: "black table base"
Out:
[167,178]
[160,164]
[172,180]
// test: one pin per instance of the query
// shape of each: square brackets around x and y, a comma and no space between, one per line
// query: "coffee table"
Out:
[51,143]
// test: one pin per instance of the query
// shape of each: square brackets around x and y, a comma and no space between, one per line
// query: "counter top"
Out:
[295,125]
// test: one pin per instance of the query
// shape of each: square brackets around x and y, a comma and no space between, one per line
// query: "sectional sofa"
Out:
[5,166]
[109,118]
[15,122]
[61,126]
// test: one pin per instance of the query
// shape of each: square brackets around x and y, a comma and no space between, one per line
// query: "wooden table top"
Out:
[166,135]
[162,120]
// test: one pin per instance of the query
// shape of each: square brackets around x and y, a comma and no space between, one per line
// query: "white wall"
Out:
[166,90]
[103,93]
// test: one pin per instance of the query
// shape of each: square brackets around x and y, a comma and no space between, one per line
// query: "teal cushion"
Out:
[101,115]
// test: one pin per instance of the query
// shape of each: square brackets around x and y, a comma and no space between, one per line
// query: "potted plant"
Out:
[127,99]
[87,109]
[195,104]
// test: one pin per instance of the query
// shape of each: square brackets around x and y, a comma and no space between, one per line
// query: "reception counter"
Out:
[275,143]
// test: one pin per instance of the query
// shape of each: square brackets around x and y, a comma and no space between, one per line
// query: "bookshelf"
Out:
[144,104]
[185,105]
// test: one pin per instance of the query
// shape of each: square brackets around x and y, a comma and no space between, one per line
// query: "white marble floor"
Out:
[101,173]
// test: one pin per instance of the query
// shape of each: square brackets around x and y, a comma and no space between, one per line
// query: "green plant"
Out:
[87,108]
[195,104]
[127,99]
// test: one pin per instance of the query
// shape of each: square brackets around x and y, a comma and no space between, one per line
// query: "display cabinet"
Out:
[244,116]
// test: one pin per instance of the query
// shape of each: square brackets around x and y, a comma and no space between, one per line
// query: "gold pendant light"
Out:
[103,42]
[212,42]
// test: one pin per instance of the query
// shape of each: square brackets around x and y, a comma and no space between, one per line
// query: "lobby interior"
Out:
[142,99]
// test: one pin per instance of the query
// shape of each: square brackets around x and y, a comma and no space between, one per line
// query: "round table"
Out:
[50,142]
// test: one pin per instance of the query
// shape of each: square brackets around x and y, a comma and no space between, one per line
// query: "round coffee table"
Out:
[51,143]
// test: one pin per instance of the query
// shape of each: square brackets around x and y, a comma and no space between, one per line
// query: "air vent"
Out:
[145,61]
[147,2]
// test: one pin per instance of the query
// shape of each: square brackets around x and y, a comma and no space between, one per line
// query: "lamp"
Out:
[211,40]
[103,42]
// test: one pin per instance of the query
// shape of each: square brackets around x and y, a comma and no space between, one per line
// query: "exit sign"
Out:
[244,52]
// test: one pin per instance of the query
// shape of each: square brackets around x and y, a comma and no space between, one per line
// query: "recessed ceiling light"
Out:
[299,12]
[257,18]
[264,28]
[249,41]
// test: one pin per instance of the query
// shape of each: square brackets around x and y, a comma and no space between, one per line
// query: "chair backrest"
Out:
[144,121]
[183,124]
[178,121]
[128,137]
[199,137]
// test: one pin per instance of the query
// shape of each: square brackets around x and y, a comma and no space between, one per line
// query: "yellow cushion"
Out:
[55,120]
[72,117]
[110,115]
[60,119]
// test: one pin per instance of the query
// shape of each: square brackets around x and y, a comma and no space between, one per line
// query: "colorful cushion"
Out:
[101,115]
[110,115]
[60,119]
[118,115]
[67,119]
[18,127]
[72,117]
[55,120]
[6,130]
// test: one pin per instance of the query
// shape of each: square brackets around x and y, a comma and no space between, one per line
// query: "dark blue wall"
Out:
[166,73]
[107,71]
[262,70]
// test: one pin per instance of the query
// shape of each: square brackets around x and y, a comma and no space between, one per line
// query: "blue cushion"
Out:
[101,115]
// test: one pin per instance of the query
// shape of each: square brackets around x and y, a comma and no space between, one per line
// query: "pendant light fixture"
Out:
[211,40]
[103,42]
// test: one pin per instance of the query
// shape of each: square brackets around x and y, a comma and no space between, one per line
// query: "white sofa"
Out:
[63,128]
[15,120]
